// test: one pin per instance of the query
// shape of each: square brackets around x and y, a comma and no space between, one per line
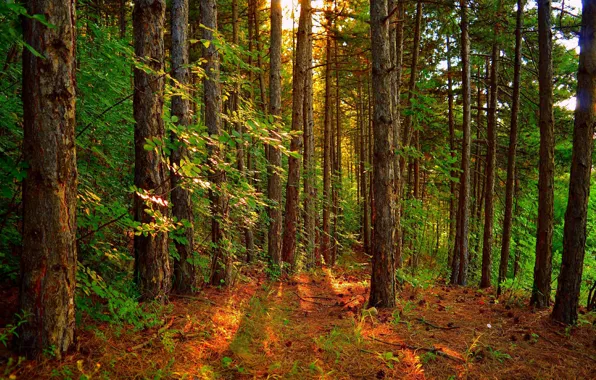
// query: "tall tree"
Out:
[298,94]
[309,153]
[460,255]
[398,43]
[221,267]
[327,150]
[382,284]
[49,256]
[543,265]
[452,183]
[491,159]
[574,235]
[185,273]
[274,153]
[152,258]
[510,182]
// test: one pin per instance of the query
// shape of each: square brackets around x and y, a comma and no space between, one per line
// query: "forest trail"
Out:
[314,325]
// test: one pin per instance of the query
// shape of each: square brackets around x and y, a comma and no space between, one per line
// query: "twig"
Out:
[194,298]
[435,326]
[102,226]
[319,297]
[417,348]
[159,332]
[306,300]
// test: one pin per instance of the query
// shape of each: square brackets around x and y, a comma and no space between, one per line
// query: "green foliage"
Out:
[11,329]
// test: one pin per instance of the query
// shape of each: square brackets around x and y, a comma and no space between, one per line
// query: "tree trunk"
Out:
[185,273]
[152,265]
[452,182]
[327,132]
[337,160]
[49,256]
[298,95]
[382,286]
[122,18]
[543,266]
[274,181]
[574,235]
[491,161]
[221,264]
[398,62]
[309,152]
[509,185]
[363,182]
[460,264]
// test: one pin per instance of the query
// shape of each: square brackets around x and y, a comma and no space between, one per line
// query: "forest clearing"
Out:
[350,189]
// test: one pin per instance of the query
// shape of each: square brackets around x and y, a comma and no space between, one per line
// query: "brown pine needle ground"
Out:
[315,325]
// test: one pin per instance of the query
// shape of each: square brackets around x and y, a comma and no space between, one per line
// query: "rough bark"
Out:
[511,156]
[185,273]
[309,154]
[298,94]
[274,153]
[397,76]
[382,286]
[327,147]
[574,235]
[491,163]
[221,265]
[152,258]
[541,289]
[461,255]
[49,256]
[452,183]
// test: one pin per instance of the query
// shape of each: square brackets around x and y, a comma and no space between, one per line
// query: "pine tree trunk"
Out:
[452,183]
[509,185]
[221,264]
[309,153]
[327,146]
[152,264]
[398,62]
[543,266]
[461,254]
[298,95]
[491,161]
[49,256]
[382,286]
[185,273]
[574,235]
[274,180]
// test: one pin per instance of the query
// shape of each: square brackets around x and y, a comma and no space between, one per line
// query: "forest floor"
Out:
[315,325]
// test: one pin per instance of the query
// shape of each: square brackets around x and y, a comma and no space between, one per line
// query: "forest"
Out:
[293,189]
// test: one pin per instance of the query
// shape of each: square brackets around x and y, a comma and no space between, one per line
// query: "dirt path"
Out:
[314,325]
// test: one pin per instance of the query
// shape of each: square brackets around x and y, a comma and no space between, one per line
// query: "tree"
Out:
[543,265]
[221,265]
[460,255]
[274,153]
[298,95]
[152,258]
[491,160]
[510,181]
[185,273]
[327,151]
[574,235]
[382,284]
[49,256]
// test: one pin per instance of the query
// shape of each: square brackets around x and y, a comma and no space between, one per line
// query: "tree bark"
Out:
[274,180]
[49,256]
[221,264]
[309,153]
[574,235]
[398,62]
[327,147]
[152,264]
[382,287]
[491,161]
[461,254]
[509,185]
[185,273]
[298,95]
[452,183]
[541,289]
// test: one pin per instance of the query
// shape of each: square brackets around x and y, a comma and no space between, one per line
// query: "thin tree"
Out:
[382,285]
[298,95]
[152,258]
[460,255]
[221,265]
[543,265]
[185,273]
[452,182]
[327,150]
[574,235]
[510,182]
[49,256]
[274,153]
[491,160]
